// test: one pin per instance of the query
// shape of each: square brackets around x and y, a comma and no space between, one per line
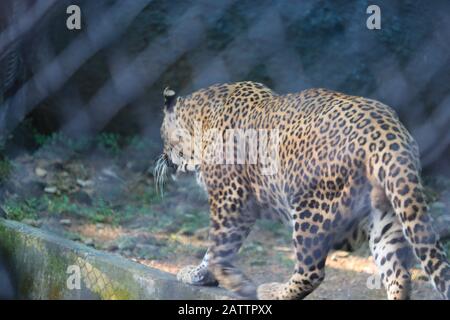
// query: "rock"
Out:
[3,213]
[31,189]
[65,222]
[89,242]
[148,251]
[73,236]
[52,190]
[40,172]
[32,222]
[202,233]
[339,255]
[111,246]
[82,197]
[110,174]
[126,243]
[100,226]
[57,166]
[85,183]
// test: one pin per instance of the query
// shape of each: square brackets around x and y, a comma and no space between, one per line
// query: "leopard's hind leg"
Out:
[356,234]
[391,251]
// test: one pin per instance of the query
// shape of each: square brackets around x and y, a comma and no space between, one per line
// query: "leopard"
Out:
[342,162]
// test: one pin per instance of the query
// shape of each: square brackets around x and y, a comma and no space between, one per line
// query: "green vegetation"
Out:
[447,248]
[54,205]
[149,196]
[5,169]
[139,144]
[285,260]
[58,139]
[100,211]
[192,221]
[57,205]
[109,142]
[256,253]
[278,229]
[22,209]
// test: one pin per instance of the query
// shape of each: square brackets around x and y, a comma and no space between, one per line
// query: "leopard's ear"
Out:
[169,99]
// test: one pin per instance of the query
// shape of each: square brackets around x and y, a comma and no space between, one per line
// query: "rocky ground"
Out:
[105,198]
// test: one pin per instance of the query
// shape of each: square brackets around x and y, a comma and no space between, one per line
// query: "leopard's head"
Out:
[178,138]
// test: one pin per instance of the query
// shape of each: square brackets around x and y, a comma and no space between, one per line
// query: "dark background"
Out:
[108,77]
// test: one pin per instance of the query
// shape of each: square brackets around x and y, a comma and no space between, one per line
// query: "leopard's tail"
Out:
[400,179]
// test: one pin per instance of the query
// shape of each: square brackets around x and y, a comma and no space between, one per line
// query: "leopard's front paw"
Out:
[196,275]
[270,291]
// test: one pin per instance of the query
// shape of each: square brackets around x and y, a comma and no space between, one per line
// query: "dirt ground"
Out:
[107,200]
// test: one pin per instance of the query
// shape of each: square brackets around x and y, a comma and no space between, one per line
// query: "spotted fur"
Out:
[343,160]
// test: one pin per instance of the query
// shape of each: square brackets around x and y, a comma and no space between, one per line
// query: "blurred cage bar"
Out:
[110,75]
[10,63]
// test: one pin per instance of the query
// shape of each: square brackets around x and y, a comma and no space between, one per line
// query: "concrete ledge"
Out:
[40,264]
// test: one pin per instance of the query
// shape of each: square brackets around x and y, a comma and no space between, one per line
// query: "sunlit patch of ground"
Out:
[99,232]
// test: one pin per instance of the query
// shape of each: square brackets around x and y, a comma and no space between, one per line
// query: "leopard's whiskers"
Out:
[160,173]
